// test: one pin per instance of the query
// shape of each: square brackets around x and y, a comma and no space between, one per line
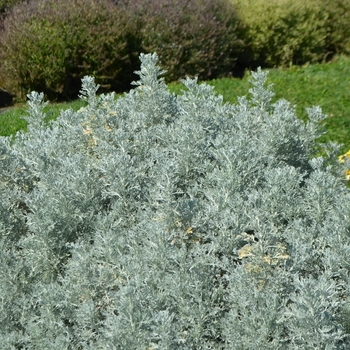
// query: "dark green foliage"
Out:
[162,222]
[193,37]
[338,27]
[7,4]
[49,46]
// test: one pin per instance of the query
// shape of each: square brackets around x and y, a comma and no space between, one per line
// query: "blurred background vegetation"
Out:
[49,45]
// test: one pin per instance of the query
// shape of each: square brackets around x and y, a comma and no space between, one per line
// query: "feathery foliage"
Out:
[157,221]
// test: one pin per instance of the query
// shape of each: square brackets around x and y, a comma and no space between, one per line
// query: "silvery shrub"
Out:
[155,221]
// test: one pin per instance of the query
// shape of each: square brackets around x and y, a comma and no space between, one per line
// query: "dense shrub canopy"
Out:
[7,4]
[338,28]
[285,32]
[160,222]
[49,46]
[193,37]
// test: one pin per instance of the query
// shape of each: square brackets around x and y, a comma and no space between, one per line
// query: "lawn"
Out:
[326,85]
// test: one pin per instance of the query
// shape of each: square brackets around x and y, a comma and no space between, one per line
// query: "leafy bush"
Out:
[162,222]
[7,4]
[193,37]
[49,46]
[283,32]
[338,38]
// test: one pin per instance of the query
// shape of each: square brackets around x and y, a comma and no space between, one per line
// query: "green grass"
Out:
[326,85]
[11,120]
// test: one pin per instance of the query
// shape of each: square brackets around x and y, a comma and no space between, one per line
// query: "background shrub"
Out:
[7,4]
[49,46]
[192,37]
[156,221]
[338,26]
[283,32]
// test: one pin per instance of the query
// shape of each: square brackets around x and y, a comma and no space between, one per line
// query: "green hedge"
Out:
[195,38]
[338,36]
[285,32]
[48,46]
